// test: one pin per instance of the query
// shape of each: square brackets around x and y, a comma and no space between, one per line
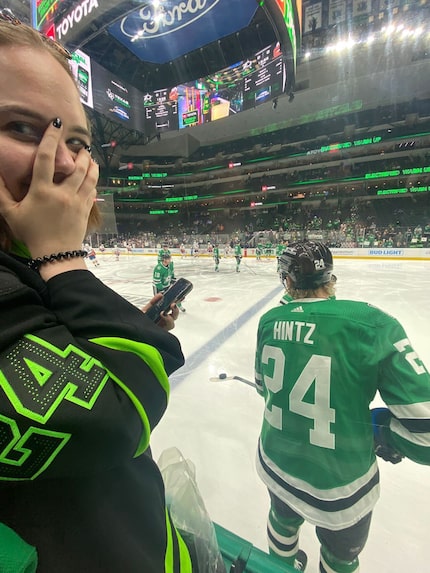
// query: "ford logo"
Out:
[156,21]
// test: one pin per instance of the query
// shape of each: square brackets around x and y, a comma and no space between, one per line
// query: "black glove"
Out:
[380,421]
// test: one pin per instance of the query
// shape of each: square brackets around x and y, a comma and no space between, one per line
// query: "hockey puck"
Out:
[222,375]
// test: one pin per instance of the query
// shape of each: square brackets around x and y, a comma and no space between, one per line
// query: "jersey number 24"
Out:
[317,372]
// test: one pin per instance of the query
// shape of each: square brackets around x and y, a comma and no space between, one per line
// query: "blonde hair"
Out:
[329,289]
[22,35]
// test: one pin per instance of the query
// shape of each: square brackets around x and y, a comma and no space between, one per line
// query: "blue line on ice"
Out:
[196,358]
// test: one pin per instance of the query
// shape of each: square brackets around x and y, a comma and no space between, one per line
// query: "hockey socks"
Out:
[330,564]
[283,539]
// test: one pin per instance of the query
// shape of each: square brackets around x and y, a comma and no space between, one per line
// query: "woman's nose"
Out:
[64,161]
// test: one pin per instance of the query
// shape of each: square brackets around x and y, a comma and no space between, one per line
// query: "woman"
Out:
[83,373]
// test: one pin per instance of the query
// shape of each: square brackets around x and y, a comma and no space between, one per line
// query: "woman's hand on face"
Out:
[53,216]
[167,320]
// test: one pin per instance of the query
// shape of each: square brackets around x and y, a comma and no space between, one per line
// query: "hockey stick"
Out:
[222,377]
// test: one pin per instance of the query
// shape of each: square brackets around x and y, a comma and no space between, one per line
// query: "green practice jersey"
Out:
[280,249]
[162,277]
[319,364]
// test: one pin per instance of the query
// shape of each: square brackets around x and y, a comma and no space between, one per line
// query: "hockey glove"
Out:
[380,421]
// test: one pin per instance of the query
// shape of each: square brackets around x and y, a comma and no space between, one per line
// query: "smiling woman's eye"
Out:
[25,130]
[76,144]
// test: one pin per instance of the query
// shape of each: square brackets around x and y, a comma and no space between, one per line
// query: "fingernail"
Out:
[87,148]
[57,123]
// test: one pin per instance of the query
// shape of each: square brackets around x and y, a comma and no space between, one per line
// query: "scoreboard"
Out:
[244,86]
[267,81]
[160,110]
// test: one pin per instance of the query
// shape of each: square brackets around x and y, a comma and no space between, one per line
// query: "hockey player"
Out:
[163,251]
[163,276]
[280,248]
[93,258]
[216,257]
[319,363]
[195,249]
[259,251]
[238,256]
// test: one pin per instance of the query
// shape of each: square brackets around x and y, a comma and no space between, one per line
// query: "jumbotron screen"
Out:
[116,99]
[267,81]
[238,88]
[160,109]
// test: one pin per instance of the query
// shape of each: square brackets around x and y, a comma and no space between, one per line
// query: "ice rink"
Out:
[216,423]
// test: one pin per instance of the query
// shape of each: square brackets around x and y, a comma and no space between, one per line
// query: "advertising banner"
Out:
[337,12]
[312,17]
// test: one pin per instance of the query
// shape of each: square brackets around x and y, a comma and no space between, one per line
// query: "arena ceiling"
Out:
[152,44]
[161,43]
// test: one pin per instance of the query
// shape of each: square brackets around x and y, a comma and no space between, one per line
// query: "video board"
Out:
[239,87]
[81,68]
[116,99]
[160,110]
[210,99]
[267,81]
[232,90]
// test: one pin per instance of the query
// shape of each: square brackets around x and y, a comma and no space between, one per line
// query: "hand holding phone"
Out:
[174,294]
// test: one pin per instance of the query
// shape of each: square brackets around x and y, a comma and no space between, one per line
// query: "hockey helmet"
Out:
[309,265]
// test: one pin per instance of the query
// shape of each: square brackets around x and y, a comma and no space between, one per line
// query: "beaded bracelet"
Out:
[35,264]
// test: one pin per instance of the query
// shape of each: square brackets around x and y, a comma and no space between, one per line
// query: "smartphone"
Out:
[175,293]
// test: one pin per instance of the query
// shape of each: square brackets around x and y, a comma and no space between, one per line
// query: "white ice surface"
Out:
[216,424]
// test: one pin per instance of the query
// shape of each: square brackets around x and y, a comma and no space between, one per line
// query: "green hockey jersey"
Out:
[319,363]
[162,277]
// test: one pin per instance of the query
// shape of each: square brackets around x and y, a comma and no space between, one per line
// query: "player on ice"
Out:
[238,256]
[163,251]
[93,258]
[163,276]
[216,257]
[319,363]
[259,249]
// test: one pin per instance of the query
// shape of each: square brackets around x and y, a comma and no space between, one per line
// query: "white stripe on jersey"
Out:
[422,440]
[417,411]
[334,520]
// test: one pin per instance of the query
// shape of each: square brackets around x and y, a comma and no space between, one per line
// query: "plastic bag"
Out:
[188,512]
